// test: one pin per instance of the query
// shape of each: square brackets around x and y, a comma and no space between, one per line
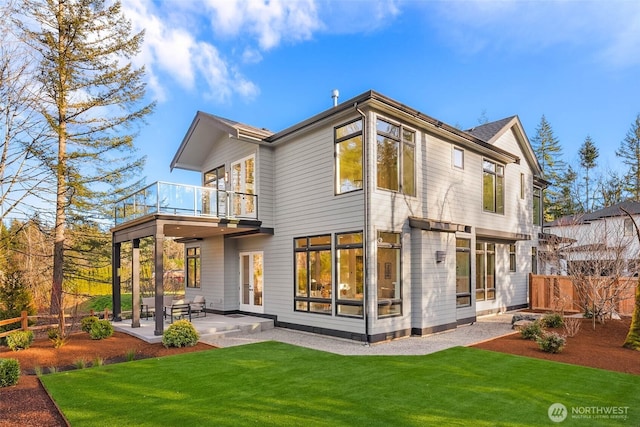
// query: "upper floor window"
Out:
[537,206]
[395,150]
[457,158]
[628,227]
[492,187]
[348,146]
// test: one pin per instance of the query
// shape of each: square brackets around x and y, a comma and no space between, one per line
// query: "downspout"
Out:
[365,189]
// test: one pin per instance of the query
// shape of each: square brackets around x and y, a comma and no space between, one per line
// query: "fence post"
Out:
[24,321]
[106,313]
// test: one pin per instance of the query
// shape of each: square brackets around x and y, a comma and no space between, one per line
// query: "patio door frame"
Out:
[251,278]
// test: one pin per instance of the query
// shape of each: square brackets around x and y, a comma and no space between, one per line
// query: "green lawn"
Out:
[279,384]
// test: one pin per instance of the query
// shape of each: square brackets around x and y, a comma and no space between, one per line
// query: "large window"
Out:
[350,274]
[492,187]
[313,274]
[214,201]
[463,272]
[485,271]
[348,141]
[389,274]
[193,267]
[537,206]
[395,152]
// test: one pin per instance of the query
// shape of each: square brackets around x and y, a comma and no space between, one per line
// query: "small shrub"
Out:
[551,342]
[552,320]
[180,334]
[37,370]
[101,329]
[80,364]
[130,355]
[20,340]
[53,369]
[53,333]
[532,331]
[572,326]
[87,322]
[9,372]
[98,361]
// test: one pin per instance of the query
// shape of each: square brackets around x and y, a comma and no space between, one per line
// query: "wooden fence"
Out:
[24,321]
[557,293]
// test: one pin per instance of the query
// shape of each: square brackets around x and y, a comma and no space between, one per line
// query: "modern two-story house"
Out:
[369,220]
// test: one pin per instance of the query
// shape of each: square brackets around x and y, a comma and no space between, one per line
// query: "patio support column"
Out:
[115,281]
[159,282]
[135,284]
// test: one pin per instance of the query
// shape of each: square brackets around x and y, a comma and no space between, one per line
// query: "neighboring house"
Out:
[599,243]
[370,220]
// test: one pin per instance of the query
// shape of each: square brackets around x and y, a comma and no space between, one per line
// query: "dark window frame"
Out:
[347,303]
[193,263]
[463,296]
[389,304]
[345,138]
[308,299]
[498,180]
[404,144]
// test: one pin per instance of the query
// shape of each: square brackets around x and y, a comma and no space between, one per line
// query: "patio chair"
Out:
[167,302]
[148,306]
[199,305]
[179,310]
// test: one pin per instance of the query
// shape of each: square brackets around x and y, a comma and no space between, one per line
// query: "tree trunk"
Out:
[633,337]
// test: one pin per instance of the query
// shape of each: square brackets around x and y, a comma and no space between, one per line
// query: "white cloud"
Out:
[607,31]
[269,22]
[172,50]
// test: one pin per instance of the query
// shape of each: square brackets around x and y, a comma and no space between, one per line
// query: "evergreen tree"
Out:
[629,152]
[611,189]
[565,202]
[588,154]
[549,152]
[90,98]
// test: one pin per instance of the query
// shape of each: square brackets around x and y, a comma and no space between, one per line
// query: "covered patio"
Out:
[211,326]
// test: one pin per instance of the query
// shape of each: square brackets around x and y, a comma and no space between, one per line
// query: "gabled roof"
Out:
[630,206]
[492,131]
[488,131]
[204,130]
[207,128]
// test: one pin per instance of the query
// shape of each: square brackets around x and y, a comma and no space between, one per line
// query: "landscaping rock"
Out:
[520,324]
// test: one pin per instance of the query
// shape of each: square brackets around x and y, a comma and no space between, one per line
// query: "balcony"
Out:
[186,200]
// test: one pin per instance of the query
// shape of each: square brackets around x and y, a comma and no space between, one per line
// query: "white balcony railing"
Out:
[186,200]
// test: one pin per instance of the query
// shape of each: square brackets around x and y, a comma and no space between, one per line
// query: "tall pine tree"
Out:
[90,98]
[588,155]
[629,152]
[549,154]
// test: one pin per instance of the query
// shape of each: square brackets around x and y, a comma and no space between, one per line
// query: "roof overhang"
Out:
[433,225]
[500,235]
[204,132]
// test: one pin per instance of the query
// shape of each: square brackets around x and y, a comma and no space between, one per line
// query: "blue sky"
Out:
[274,63]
